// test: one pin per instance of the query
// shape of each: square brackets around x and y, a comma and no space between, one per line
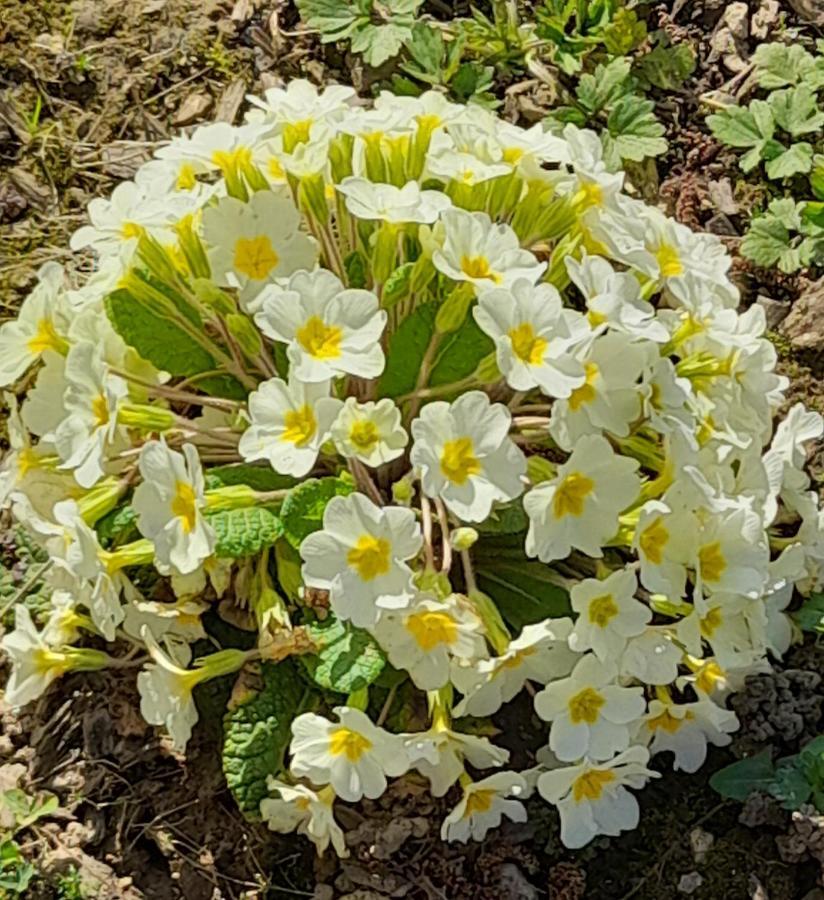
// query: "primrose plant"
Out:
[433,413]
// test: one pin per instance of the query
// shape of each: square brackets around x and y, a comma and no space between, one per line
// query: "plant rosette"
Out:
[429,408]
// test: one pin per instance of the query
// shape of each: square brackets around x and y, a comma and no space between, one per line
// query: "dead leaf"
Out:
[722,198]
[764,18]
[194,107]
[230,101]
[242,11]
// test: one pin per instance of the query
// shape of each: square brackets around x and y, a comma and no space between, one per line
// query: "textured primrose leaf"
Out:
[347,658]
[302,510]
[117,527]
[244,532]
[811,615]
[738,780]
[257,730]
[257,477]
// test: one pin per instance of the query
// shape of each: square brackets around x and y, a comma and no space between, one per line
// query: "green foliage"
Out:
[523,589]
[16,872]
[245,531]
[794,780]
[434,61]
[667,66]
[785,236]
[161,332]
[376,30]
[347,658]
[575,29]
[811,615]
[118,527]
[458,352]
[302,510]
[258,477]
[785,65]
[257,730]
[608,98]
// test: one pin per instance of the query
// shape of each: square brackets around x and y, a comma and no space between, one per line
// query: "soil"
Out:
[86,89]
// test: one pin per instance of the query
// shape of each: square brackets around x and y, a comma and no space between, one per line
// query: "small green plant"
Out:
[16,872]
[788,235]
[377,30]
[575,28]
[794,780]
[608,99]
[70,886]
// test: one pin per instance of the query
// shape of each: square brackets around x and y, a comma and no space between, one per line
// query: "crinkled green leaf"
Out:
[508,518]
[334,19]
[378,43]
[740,779]
[624,33]
[244,532]
[783,65]
[797,110]
[302,509]
[117,527]
[605,85]
[257,730]
[795,159]
[347,658]
[635,130]
[769,241]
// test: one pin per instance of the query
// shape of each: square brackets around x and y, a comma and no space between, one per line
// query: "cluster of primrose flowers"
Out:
[612,395]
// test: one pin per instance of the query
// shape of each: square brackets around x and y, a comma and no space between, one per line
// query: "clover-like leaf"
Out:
[783,65]
[796,110]
[795,159]
[634,129]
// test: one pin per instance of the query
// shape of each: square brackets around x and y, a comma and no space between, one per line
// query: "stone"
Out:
[804,325]
[774,310]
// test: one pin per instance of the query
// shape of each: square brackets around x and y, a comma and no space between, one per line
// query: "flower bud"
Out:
[245,333]
[452,312]
[488,371]
[213,297]
[463,538]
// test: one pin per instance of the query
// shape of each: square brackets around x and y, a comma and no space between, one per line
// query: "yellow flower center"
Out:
[711,622]
[255,257]
[570,495]
[370,557]
[595,318]
[276,170]
[479,267]
[590,194]
[184,505]
[666,721]
[602,610]
[590,785]
[130,230]
[348,743]
[296,133]
[364,435]
[653,540]
[100,411]
[709,677]
[302,803]
[228,160]
[318,339]
[526,345]
[513,155]
[186,178]
[586,392]
[431,629]
[711,561]
[478,802]
[585,706]
[458,460]
[669,262]
[515,661]
[27,460]
[301,425]
[45,338]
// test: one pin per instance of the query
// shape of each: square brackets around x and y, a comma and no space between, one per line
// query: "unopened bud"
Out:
[463,538]
[245,333]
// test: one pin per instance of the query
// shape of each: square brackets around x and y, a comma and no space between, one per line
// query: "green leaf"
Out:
[257,730]
[302,510]
[508,518]
[334,19]
[523,589]
[769,241]
[258,477]
[740,126]
[426,51]
[738,780]
[783,65]
[796,110]
[117,527]
[666,66]
[635,130]
[347,659]
[624,33]
[606,85]
[811,615]
[798,158]
[458,354]
[244,532]
[356,268]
